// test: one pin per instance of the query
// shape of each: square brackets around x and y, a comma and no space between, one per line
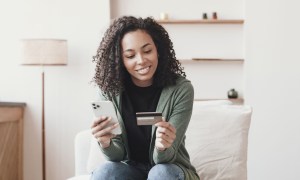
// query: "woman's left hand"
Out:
[165,135]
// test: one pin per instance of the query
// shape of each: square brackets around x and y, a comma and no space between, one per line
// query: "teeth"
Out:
[143,70]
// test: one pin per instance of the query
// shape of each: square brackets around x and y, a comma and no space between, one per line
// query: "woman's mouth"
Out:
[144,70]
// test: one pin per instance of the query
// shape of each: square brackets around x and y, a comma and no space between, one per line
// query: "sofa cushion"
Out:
[217,139]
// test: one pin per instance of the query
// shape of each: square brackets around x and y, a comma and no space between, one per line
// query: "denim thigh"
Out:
[118,171]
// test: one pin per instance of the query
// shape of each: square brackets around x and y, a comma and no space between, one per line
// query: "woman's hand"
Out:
[165,135]
[101,132]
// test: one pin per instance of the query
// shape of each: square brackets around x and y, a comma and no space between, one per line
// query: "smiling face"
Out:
[139,57]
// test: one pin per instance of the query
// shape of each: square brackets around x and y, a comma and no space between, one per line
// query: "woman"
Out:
[137,70]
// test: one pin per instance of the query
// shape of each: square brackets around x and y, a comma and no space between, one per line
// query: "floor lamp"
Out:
[44,52]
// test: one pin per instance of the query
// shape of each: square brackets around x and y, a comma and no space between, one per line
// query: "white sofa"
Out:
[217,140]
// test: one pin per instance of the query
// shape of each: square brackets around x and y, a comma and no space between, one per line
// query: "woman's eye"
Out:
[130,57]
[148,51]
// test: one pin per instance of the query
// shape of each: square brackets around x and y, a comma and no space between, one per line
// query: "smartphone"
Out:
[148,118]
[106,108]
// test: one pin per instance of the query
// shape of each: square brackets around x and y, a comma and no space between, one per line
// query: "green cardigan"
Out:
[176,104]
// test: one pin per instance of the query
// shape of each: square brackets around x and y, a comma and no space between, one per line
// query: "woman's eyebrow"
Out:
[147,44]
[127,50]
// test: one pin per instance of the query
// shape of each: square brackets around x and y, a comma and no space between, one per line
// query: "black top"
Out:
[138,99]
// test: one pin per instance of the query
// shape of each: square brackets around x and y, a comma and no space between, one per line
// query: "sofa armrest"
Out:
[82,150]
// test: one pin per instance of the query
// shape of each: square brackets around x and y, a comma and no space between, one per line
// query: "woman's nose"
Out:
[140,59]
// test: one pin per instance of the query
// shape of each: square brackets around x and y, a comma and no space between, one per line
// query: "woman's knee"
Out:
[165,171]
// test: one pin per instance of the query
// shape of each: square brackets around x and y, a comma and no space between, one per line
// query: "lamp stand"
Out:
[43,128]
[44,52]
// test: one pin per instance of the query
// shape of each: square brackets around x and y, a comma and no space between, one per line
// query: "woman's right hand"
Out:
[102,132]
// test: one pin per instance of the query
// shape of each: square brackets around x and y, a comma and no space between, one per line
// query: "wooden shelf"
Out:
[234,101]
[215,59]
[199,21]
[195,60]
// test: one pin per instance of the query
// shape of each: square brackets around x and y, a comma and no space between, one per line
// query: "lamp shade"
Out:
[44,52]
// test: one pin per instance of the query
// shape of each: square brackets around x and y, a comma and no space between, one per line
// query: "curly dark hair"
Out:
[111,74]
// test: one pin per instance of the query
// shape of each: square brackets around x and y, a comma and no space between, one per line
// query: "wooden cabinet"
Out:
[11,141]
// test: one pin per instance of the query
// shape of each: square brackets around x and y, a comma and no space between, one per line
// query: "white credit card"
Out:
[148,118]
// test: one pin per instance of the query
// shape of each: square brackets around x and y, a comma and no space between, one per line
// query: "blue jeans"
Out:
[137,171]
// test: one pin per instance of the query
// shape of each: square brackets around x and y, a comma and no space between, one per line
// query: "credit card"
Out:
[148,118]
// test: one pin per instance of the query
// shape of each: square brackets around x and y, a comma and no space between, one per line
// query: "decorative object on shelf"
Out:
[164,16]
[204,16]
[232,94]
[44,52]
[214,15]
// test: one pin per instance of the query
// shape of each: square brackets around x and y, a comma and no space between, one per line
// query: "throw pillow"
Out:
[217,140]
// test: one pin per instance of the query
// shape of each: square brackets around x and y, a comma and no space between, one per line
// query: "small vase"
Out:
[232,94]
[164,16]
[214,15]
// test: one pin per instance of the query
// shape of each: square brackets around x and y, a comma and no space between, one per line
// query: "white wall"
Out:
[272,73]
[67,89]
[211,80]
